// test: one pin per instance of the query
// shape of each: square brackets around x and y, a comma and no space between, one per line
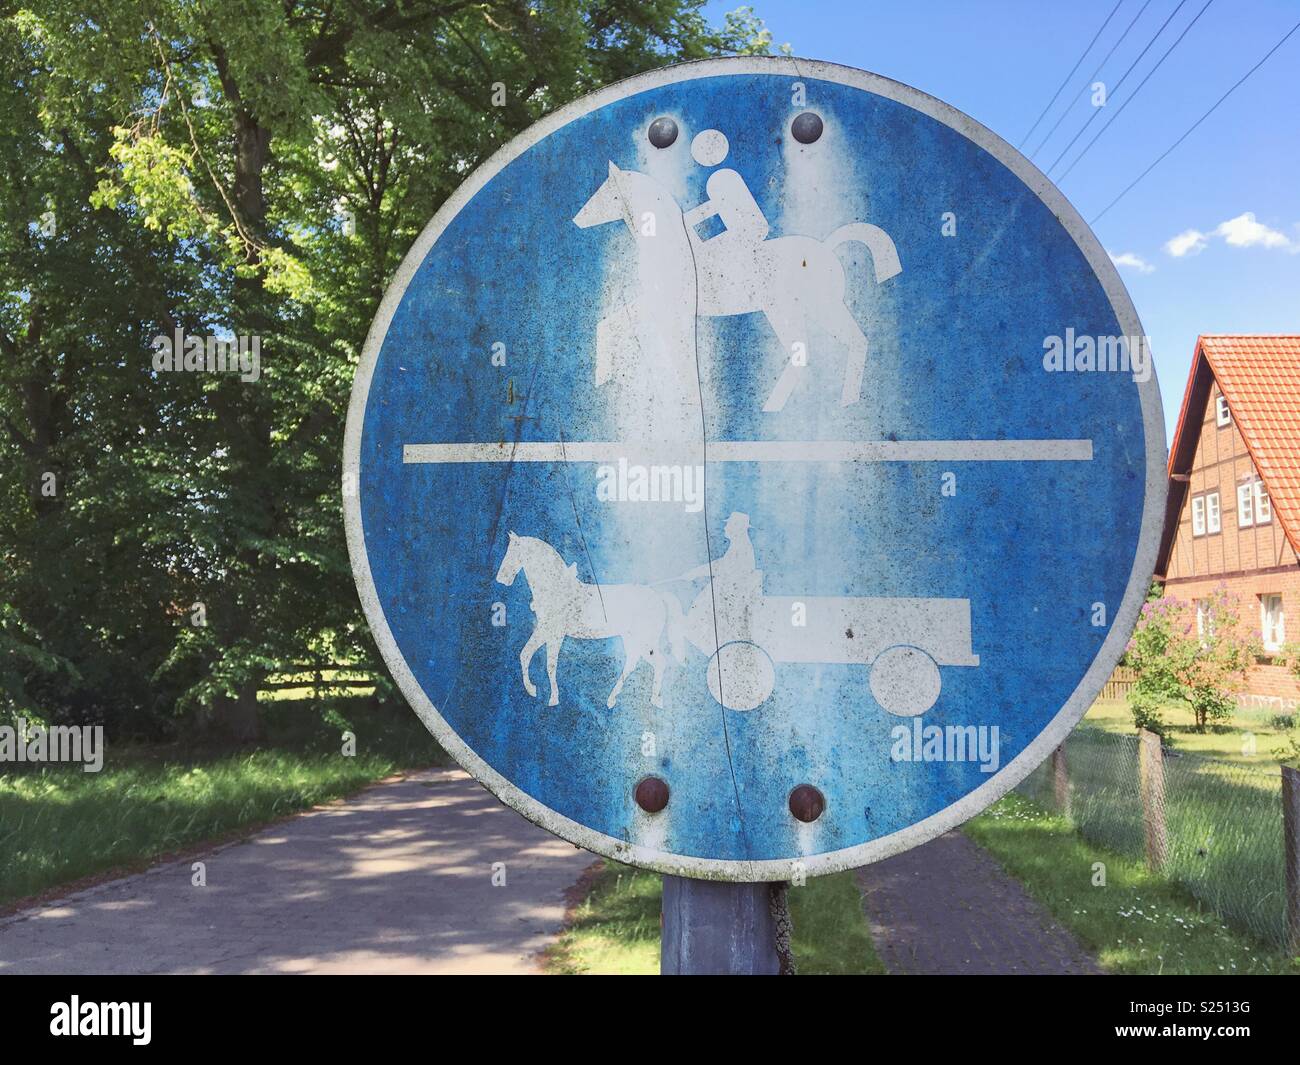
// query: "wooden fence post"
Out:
[1061,780]
[1151,783]
[1291,845]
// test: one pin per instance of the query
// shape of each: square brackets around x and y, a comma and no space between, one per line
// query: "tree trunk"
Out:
[236,718]
[250,447]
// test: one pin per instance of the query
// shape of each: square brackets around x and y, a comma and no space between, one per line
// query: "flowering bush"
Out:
[1192,653]
[1289,751]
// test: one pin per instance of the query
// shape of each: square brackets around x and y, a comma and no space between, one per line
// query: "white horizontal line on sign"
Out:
[759,451]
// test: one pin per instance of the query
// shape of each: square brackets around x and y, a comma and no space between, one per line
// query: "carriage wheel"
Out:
[742,674]
[905,681]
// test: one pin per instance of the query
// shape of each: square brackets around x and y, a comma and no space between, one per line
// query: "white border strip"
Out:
[761,451]
[974,801]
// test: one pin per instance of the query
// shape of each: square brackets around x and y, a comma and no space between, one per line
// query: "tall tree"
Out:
[252,168]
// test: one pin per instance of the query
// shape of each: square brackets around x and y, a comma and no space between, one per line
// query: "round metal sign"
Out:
[755,468]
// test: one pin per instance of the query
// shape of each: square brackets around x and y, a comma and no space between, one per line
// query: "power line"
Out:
[1091,79]
[1097,110]
[1076,66]
[1134,93]
[1193,126]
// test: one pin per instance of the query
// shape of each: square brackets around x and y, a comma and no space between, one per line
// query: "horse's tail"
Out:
[884,256]
[676,625]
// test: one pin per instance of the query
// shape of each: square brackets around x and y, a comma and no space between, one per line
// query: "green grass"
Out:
[1138,923]
[830,935]
[1251,737]
[59,824]
[1223,821]
[615,930]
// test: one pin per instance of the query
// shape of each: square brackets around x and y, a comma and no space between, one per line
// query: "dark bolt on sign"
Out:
[754,470]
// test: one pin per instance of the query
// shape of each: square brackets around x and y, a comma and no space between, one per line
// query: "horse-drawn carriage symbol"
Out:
[742,632]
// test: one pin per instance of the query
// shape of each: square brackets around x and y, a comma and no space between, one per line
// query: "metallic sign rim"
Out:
[773,869]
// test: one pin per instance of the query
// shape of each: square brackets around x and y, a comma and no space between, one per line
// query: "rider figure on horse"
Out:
[745,225]
[733,203]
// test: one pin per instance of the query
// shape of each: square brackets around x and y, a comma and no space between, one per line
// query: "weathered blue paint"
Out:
[956,348]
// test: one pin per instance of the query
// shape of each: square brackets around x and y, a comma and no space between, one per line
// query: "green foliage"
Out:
[1288,751]
[1182,657]
[1146,709]
[1289,656]
[256,169]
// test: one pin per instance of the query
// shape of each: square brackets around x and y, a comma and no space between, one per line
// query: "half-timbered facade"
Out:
[1233,517]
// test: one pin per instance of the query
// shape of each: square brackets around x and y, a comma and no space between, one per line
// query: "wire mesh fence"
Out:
[1212,826]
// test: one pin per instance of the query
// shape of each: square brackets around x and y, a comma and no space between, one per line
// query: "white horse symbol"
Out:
[787,278]
[566,607]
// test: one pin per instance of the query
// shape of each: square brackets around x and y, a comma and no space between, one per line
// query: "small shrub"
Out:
[1192,653]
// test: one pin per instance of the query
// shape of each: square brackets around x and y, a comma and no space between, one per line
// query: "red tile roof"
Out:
[1260,378]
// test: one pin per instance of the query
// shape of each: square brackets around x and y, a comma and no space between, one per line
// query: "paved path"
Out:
[396,879]
[947,907]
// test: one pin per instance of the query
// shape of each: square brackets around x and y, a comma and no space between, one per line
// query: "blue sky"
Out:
[1000,61]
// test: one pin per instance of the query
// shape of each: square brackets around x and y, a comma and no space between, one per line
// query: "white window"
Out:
[1222,416]
[1198,516]
[1212,520]
[1245,505]
[1271,622]
[1204,619]
[1263,508]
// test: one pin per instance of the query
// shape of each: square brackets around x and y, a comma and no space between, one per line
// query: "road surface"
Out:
[397,879]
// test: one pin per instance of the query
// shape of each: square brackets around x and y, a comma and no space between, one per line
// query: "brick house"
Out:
[1233,516]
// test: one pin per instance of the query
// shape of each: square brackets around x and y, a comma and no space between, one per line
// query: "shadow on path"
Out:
[396,879]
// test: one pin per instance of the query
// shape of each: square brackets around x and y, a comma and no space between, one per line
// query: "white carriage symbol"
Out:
[902,642]
[742,632]
[745,633]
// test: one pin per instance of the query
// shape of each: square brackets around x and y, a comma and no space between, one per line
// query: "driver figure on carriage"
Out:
[737,587]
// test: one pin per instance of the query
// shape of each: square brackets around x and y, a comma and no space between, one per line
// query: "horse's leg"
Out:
[787,320]
[841,324]
[604,350]
[658,660]
[552,661]
[526,656]
[631,659]
[613,337]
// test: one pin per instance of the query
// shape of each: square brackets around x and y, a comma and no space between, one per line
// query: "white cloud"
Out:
[1132,259]
[1188,242]
[1240,232]
[1244,232]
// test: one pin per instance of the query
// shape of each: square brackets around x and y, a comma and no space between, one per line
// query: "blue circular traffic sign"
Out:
[755,467]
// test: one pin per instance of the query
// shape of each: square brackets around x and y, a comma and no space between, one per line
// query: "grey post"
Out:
[715,928]
[1291,836]
[1151,781]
